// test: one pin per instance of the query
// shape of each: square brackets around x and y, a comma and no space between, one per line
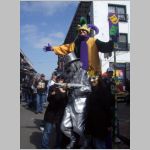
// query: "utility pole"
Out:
[115,45]
[114,34]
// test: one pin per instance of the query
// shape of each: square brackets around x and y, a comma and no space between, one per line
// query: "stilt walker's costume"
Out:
[86,48]
[73,122]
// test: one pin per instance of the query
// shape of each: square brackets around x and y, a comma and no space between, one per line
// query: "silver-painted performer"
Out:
[73,122]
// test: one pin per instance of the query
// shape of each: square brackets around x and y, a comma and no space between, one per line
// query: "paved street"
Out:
[30,134]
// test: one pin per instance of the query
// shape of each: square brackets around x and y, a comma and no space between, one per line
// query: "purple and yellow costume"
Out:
[94,46]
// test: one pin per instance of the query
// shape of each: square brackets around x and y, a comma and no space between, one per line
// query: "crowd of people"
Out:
[34,92]
[81,105]
[92,129]
[98,116]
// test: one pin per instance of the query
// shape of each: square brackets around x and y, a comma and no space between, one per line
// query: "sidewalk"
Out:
[124,125]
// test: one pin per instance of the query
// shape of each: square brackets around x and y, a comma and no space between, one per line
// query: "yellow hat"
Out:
[84,27]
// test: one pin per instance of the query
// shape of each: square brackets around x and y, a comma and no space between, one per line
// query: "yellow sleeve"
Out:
[64,49]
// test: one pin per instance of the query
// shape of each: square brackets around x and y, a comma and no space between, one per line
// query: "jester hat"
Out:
[87,27]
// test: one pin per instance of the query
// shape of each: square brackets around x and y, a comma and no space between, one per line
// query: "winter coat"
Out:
[56,106]
[98,113]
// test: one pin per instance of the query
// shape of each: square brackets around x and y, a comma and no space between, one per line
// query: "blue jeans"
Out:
[48,128]
[98,143]
[40,97]
[58,136]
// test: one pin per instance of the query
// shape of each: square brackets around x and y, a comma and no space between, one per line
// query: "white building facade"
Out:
[96,12]
[100,19]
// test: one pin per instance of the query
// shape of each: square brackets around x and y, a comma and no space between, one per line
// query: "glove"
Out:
[47,48]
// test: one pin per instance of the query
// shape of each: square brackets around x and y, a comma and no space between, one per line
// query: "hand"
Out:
[65,86]
[62,90]
[53,93]
[48,48]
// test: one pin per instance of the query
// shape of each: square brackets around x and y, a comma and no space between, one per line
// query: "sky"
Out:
[43,22]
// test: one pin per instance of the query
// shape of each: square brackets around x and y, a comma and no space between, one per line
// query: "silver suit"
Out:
[74,116]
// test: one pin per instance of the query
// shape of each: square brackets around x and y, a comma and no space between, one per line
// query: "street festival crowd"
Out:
[81,102]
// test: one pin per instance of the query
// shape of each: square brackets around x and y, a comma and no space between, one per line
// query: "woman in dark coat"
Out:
[57,99]
[98,114]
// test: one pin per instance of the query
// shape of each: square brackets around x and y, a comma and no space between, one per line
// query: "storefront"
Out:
[122,71]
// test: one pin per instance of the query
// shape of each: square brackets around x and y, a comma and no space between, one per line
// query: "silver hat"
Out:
[70,58]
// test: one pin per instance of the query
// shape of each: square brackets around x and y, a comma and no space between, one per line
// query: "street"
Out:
[30,133]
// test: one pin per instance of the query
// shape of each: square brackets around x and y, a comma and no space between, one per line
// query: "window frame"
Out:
[119,6]
[126,48]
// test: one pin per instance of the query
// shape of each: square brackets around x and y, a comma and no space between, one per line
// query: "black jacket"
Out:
[43,88]
[103,47]
[55,108]
[99,113]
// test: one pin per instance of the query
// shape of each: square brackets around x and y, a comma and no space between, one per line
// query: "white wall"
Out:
[100,12]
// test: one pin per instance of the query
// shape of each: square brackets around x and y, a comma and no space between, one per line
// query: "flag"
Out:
[113,26]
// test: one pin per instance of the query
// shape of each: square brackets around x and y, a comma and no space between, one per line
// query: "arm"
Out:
[62,49]
[104,47]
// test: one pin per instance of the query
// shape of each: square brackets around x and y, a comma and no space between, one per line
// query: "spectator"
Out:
[53,78]
[57,99]
[110,85]
[98,114]
[41,86]
[34,92]
[52,81]
[49,85]
[111,89]
[25,90]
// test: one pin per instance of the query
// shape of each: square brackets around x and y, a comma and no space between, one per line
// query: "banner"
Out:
[113,26]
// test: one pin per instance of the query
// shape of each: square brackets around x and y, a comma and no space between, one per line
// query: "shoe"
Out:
[117,140]
[45,105]
[72,145]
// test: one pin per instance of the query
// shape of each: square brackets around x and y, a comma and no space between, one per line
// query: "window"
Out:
[123,42]
[123,38]
[120,10]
